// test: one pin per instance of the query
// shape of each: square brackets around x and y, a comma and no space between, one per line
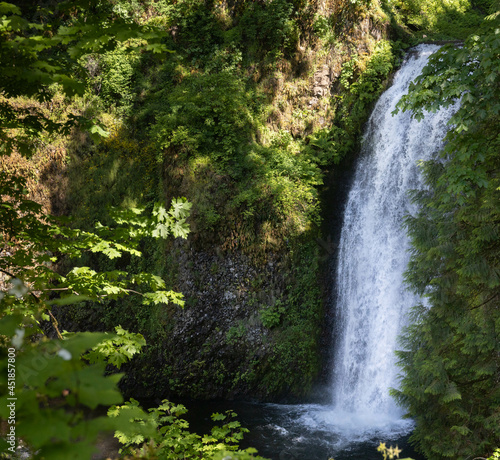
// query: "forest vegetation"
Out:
[150,147]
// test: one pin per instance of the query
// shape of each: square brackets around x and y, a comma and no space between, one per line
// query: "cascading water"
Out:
[372,301]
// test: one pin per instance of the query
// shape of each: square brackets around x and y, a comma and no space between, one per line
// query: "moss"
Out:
[294,363]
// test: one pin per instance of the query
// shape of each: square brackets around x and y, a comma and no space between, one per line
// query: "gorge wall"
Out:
[251,269]
[254,323]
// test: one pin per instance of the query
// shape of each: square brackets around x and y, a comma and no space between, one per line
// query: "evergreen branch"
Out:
[485,302]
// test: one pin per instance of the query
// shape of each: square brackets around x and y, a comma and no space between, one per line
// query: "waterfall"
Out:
[372,301]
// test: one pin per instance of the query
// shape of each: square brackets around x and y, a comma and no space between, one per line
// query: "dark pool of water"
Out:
[306,432]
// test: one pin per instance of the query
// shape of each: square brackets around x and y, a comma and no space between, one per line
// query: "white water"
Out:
[372,300]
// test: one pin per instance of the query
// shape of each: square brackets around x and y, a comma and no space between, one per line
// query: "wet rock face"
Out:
[217,345]
[220,327]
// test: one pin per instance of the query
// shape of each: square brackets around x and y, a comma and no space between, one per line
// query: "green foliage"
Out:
[379,67]
[269,27]
[50,369]
[35,55]
[55,390]
[271,316]
[450,352]
[199,32]
[56,387]
[208,114]
[207,124]
[117,350]
[111,76]
[235,333]
[495,455]
[39,242]
[348,70]
[454,19]
[321,26]
[172,439]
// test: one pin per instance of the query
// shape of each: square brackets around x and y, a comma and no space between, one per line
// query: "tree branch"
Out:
[38,300]
[485,302]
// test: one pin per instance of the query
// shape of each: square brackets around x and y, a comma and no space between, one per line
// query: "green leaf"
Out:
[79,342]
[159,297]
[9,324]
[68,300]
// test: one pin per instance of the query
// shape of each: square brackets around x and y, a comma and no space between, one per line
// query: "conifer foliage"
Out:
[451,352]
